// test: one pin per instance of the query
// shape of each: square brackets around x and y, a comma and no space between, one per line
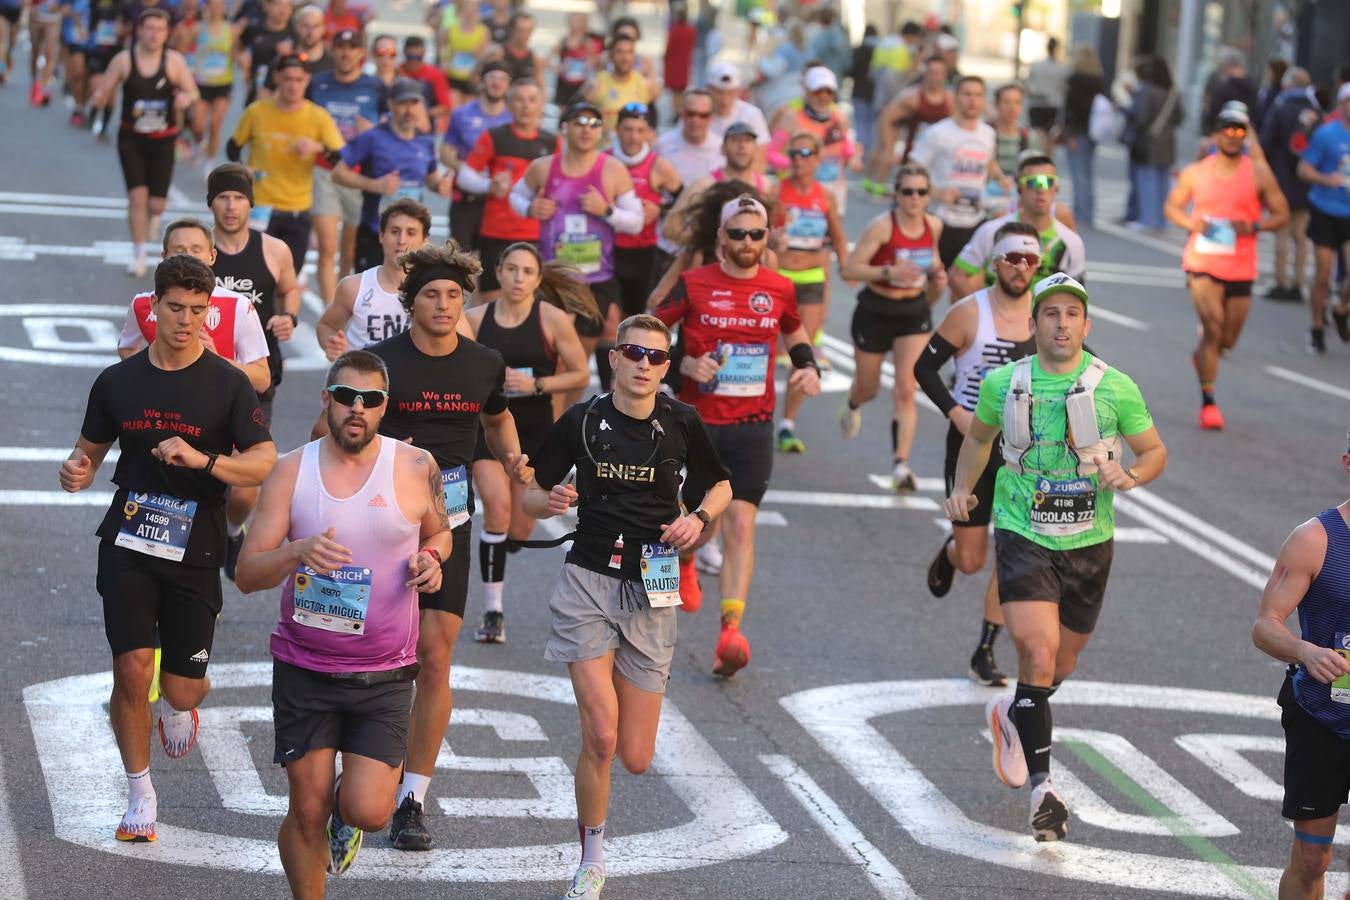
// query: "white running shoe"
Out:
[708,558]
[1049,815]
[137,267]
[1009,764]
[586,884]
[138,825]
[902,478]
[850,421]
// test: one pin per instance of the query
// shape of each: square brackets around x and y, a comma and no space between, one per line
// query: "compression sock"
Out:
[988,634]
[1031,714]
[492,566]
[592,845]
[732,610]
[895,437]
[416,785]
[602,367]
[1207,392]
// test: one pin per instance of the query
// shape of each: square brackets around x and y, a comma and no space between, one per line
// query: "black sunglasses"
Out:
[635,352]
[371,398]
[912,192]
[740,234]
[803,152]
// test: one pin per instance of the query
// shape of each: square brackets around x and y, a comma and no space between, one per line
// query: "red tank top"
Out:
[1220,252]
[900,249]
[642,186]
[926,114]
[804,215]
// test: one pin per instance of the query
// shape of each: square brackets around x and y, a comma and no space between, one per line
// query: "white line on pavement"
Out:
[1225,540]
[1097,312]
[45,454]
[855,501]
[885,877]
[884,482]
[10,860]
[1143,240]
[1308,382]
[1191,542]
[55,498]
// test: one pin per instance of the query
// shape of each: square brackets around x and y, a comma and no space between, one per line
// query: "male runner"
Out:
[816,113]
[613,606]
[1325,165]
[521,61]
[654,179]
[443,386]
[922,106]
[354,526]
[467,124]
[692,148]
[177,412]
[983,332]
[1061,250]
[740,152]
[157,85]
[733,312]
[1312,576]
[262,41]
[1065,417]
[1226,192]
[620,83]
[725,84]
[436,89]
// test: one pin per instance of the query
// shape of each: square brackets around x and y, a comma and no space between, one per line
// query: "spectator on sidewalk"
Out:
[1229,82]
[1155,116]
[1047,83]
[1085,82]
[1289,124]
[1269,91]
[864,89]
[679,59]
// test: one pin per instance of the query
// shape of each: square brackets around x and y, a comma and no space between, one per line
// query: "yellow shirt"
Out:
[612,94]
[285,179]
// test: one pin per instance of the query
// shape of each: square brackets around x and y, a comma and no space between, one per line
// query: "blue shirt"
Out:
[380,151]
[1329,151]
[75,30]
[468,122]
[346,100]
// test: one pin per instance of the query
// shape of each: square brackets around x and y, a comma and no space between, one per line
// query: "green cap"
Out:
[1058,283]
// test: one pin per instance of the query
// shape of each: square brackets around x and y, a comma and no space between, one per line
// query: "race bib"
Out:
[336,601]
[105,34]
[259,217]
[456,484]
[922,258]
[524,370]
[577,245]
[661,574]
[574,70]
[156,525]
[806,228]
[1218,239]
[969,198]
[461,65]
[1340,688]
[213,66]
[744,371]
[1060,508]
[830,169]
[152,116]
[412,192]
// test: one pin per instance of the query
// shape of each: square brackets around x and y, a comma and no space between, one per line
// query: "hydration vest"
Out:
[1083,436]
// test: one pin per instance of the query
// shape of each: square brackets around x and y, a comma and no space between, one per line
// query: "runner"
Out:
[740,149]
[620,83]
[105,42]
[579,53]
[145,143]
[496,163]
[465,42]
[436,90]
[465,381]
[177,412]
[1226,192]
[522,62]
[356,102]
[213,69]
[922,106]
[691,148]
[817,114]
[1312,576]
[1011,140]
[10,11]
[360,517]
[75,36]
[814,231]
[285,135]
[733,312]
[467,124]
[1053,518]
[395,162]
[582,198]
[261,42]
[654,180]
[725,84]
[613,621]
[309,39]
[1325,165]
[981,332]
[1061,250]
[897,257]
[44,43]
[544,358]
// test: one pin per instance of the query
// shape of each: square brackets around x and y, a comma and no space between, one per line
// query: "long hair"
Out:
[705,216]
[565,287]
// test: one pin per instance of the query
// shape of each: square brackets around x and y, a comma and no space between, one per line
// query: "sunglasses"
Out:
[740,234]
[912,192]
[802,152]
[1233,131]
[639,109]
[371,398]
[1022,260]
[691,114]
[414,57]
[635,352]
[588,121]
[386,53]
[1039,182]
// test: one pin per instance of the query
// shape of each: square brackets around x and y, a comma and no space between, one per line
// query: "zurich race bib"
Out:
[1060,508]
[578,245]
[806,228]
[151,116]
[830,169]
[574,70]
[524,370]
[212,66]
[105,34]
[920,257]
[411,192]
[1218,239]
[461,65]
[335,601]
[456,484]
[661,574]
[1340,688]
[156,525]
[744,371]
[259,217]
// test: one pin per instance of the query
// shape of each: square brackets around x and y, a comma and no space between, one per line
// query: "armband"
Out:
[803,357]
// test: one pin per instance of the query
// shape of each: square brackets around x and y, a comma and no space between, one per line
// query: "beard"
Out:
[1010,288]
[745,257]
[336,428]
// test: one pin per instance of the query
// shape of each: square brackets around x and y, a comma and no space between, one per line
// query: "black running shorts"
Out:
[141,593]
[454,592]
[311,710]
[982,514]
[746,449]
[1231,289]
[1316,763]
[633,267]
[489,248]
[293,229]
[1326,230]
[875,332]
[951,242]
[1075,579]
[146,162]
[466,217]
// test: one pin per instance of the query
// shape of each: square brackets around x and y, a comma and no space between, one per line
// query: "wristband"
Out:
[431,551]
[702,517]
[210,462]
[291,316]
[803,357]
[539,387]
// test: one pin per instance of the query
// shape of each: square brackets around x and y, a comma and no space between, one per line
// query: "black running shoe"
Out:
[941,571]
[407,831]
[1342,321]
[232,547]
[493,630]
[983,669]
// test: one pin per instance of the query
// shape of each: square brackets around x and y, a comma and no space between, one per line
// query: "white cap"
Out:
[1344,93]
[724,74]
[818,78]
[742,204]
[947,43]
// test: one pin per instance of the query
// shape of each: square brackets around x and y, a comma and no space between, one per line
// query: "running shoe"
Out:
[493,630]
[35,95]
[136,268]
[788,442]
[1342,321]
[77,119]
[902,477]
[941,571]
[407,831]
[850,421]
[232,547]
[138,824]
[1049,815]
[177,731]
[1317,343]
[984,670]
[708,558]
[344,841]
[586,884]
[1009,764]
[691,592]
[1210,417]
[733,651]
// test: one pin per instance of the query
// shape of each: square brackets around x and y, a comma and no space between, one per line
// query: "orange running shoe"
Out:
[1210,418]
[733,651]
[691,592]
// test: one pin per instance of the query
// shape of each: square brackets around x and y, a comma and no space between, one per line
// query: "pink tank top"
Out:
[361,618]
[573,235]
[642,186]
[1220,252]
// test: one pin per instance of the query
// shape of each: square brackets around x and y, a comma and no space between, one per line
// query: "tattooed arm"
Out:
[435,546]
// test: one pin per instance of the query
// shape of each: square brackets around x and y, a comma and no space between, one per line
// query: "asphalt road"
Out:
[848,760]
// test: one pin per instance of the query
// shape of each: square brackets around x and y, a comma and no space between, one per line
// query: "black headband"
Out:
[420,277]
[228,180]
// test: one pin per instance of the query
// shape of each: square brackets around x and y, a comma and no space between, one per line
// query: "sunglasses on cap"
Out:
[912,192]
[1042,182]
[371,398]
[1021,260]
[634,109]
[740,234]
[635,352]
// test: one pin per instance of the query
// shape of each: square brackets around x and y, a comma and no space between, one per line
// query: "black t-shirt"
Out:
[210,404]
[437,401]
[633,486]
[262,43]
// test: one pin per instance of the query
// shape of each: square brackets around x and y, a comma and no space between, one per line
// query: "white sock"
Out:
[232,529]
[492,596]
[788,424]
[416,785]
[592,845]
[139,785]
[138,251]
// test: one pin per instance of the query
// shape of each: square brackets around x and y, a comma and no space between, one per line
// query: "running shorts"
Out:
[1316,762]
[466,218]
[454,592]
[369,253]
[746,449]
[532,427]
[1231,289]
[146,162]
[876,332]
[293,229]
[633,267]
[1328,231]
[314,710]
[951,242]
[1075,579]
[335,200]
[213,92]
[489,248]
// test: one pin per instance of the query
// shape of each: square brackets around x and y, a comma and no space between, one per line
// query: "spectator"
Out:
[1270,90]
[864,89]
[830,45]
[680,40]
[1085,82]
[782,69]
[1229,82]
[1288,126]
[1047,81]
[1155,114]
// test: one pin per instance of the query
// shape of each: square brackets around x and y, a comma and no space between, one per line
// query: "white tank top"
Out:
[377,314]
[986,353]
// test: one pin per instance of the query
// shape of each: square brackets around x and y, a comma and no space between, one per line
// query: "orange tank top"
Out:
[1220,251]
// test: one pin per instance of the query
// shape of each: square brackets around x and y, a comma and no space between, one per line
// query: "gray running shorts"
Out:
[332,199]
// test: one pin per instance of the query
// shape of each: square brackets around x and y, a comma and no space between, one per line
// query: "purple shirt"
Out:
[572,235]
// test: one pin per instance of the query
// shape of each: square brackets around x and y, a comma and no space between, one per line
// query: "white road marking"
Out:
[1190,542]
[1225,540]
[1308,382]
[884,876]
[11,862]
[937,485]
[1096,311]
[856,501]
[46,454]
[55,498]
[1222,754]
[1143,240]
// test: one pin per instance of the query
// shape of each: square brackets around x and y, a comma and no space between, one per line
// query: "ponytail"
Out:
[563,286]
